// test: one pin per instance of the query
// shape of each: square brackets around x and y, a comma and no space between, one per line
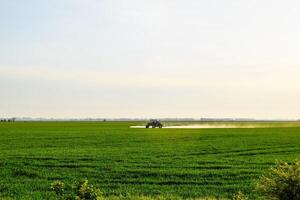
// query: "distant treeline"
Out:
[8,119]
[147,119]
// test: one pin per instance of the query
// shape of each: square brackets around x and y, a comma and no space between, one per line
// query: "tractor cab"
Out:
[154,123]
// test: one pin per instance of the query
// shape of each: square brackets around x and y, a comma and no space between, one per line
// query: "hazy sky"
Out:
[150,58]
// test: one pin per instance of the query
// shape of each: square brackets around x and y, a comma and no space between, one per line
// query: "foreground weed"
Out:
[82,190]
[86,191]
[239,196]
[58,187]
[282,182]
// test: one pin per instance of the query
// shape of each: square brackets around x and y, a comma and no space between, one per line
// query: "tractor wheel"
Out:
[147,126]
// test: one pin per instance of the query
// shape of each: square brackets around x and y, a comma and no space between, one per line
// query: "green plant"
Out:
[282,182]
[239,196]
[82,190]
[86,191]
[58,187]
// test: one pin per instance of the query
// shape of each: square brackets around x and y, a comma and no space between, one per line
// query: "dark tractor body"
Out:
[154,123]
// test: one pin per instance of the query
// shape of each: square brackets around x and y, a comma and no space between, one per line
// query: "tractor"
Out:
[154,123]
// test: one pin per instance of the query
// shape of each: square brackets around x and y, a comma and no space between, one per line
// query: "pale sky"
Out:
[150,58]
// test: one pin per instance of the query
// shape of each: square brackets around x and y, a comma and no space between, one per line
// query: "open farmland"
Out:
[121,160]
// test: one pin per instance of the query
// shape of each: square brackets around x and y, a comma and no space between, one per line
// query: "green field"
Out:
[120,160]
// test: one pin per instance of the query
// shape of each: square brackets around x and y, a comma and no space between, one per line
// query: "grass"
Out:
[189,163]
